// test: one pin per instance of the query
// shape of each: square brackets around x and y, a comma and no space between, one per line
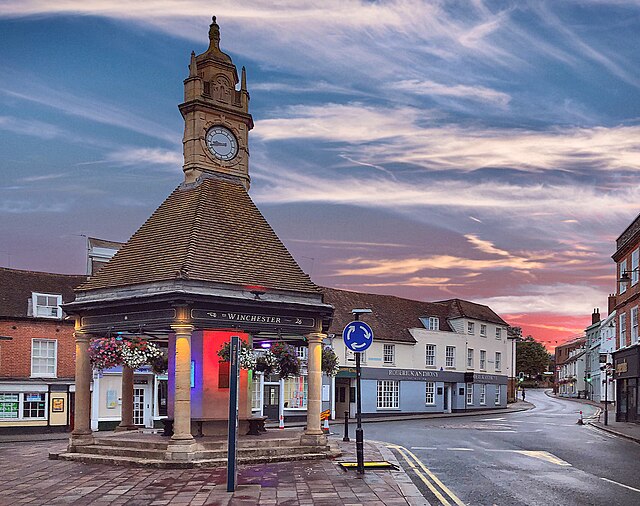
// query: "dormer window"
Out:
[431,323]
[46,305]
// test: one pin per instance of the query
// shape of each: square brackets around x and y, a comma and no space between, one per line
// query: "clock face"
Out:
[221,143]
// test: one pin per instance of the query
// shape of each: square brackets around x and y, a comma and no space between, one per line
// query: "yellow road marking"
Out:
[542,455]
[433,477]
[433,489]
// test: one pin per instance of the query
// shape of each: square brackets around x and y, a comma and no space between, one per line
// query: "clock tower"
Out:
[216,115]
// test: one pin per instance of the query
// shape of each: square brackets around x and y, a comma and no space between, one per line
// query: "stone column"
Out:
[313,433]
[81,434]
[126,418]
[182,445]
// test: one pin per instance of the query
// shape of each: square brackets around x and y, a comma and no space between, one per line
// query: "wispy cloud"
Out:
[33,128]
[153,156]
[459,91]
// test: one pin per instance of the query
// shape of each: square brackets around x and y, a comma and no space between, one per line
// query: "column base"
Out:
[313,439]
[182,448]
[79,440]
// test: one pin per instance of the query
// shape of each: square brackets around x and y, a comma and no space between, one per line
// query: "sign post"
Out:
[358,336]
[232,441]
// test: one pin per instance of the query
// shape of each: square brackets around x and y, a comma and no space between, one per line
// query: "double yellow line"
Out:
[438,488]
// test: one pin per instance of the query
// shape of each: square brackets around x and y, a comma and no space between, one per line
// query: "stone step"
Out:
[132,443]
[263,452]
[120,451]
[163,464]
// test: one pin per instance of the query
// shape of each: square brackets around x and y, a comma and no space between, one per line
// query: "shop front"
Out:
[627,371]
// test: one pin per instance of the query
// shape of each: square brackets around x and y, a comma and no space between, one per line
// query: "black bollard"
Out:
[346,426]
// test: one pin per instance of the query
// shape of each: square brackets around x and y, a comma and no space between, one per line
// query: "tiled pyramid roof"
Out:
[210,231]
[459,308]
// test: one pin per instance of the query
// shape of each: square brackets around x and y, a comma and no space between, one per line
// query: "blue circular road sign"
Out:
[357,335]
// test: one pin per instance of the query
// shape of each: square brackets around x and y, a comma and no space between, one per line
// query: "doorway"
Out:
[271,406]
[343,397]
[141,407]
[448,387]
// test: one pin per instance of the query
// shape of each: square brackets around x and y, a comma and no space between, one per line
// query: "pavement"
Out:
[626,430]
[27,477]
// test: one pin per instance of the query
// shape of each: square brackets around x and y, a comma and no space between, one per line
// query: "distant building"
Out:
[592,357]
[36,351]
[626,358]
[99,252]
[570,367]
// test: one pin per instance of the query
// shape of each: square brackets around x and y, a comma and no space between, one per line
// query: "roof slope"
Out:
[391,317]
[16,287]
[458,308]
[211,232]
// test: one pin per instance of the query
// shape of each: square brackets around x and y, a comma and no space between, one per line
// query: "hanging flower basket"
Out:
[160,365]
[266,362]
[138,352]
[288,361]
[330,363]
[105,353]
[247,357]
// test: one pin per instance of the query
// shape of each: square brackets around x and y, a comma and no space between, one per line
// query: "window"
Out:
[634,266]
[497,401]
[470,358]
[46,305]
[498,333]
[295,392]
[622,268]
[430,395]
[389,354]
[33,406]
[623,330]
[469,394]
[351,355]
[388,394]
[430,357]
[9,404]
[483,330]
[498,361]
[470,327]
[483,394]
[431,323]
[634,325]
[255,392]
[43,357]
[302,352]
[450,356]
[483,360]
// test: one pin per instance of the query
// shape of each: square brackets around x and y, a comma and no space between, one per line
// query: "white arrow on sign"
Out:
[352,329]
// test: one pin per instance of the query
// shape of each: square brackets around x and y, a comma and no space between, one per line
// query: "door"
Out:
[271,407]
[447,397]
[342,397]
[141,406]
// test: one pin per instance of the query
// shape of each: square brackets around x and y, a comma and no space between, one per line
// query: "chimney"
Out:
[612,302]
[595,316]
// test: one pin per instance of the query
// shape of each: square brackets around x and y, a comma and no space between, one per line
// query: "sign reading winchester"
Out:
[253,318]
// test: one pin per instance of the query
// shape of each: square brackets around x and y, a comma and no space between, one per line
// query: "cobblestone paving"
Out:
[28,477]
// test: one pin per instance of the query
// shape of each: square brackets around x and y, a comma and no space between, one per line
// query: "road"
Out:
[536,457]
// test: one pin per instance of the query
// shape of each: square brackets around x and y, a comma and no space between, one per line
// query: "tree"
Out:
[532,357]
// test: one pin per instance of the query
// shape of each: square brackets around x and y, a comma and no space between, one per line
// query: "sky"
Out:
[484,150]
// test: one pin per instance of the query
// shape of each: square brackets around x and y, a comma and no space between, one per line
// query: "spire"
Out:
[243,82]
[214,50]
[193,66]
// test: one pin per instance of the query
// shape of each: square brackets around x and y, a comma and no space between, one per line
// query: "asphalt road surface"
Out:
[538,457]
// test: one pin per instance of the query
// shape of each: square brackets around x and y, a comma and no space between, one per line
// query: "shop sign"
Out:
[253,318]
[622,367]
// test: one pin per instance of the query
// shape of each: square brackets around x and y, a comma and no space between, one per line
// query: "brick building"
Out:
[37,351]
[566,376]
[626,358]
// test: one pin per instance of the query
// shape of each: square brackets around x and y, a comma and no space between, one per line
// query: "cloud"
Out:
[152,156]
[485,246]
[460,91]
[33,128]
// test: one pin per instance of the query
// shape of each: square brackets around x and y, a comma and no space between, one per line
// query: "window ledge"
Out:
[450,368]
[388,365]
[388,409]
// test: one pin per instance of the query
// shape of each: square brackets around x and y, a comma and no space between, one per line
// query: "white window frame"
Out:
[350,356]
[471,328]
[498,333]
[430,393]
[623,330]
[635,256]
[431,323]
[483,330]
[303,353]
[470,358]
[54,374]
[388,354]
[300,398]
[450,357]
[21,405]
[634,325]
[430,357]
[483,394]
[483,360]
[469,392]
[498,394]
[387,394]
[622,268]
[58,302]
[498,362]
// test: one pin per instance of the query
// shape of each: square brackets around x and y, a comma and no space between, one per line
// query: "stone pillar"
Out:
[126,418]
[81,434]
[182,444]
[313,434]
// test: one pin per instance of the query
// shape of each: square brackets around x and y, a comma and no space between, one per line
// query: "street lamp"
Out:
[625,278]
[359,433]
[606,368]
